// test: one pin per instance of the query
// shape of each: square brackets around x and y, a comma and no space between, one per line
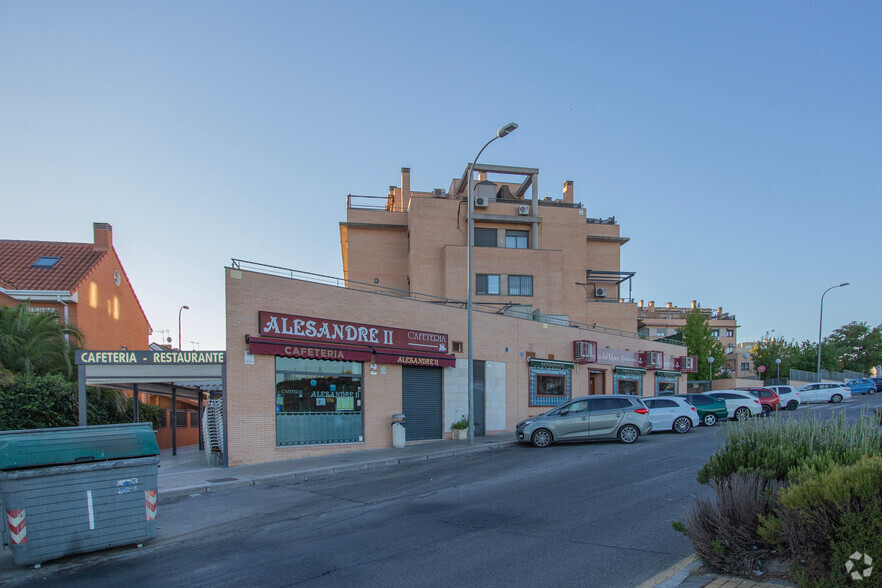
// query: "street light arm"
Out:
[821,323]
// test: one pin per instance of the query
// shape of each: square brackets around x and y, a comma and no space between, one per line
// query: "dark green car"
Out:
[710,410]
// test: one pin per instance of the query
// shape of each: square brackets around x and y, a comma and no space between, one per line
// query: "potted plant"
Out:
[460,429]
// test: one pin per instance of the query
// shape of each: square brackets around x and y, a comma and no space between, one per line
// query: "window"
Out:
[745,367]
[550,385]
[457,346]
[730,332]
[194,419]
[46,261]
[580,406]
[660,333]
[517,239]
[602,403]
[730,349]
[667,389]
[715,333]
[699,400]
[661,403]
[628,387]
[487,284]
[180,418]
[318,401]
[520,285]
[116,277]
[485,237]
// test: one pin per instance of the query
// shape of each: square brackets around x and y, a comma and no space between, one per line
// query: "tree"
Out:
[701,343]
[35,343]
[768,350]
[854,346]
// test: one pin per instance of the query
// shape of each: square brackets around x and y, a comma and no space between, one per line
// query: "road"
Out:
[593,514]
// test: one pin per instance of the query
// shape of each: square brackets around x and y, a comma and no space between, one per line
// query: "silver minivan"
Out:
[610,416]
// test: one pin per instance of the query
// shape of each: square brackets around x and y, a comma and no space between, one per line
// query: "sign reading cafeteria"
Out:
[289,326]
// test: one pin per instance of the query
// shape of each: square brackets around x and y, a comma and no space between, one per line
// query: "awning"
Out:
[551,363]
[310,350]
[415,359]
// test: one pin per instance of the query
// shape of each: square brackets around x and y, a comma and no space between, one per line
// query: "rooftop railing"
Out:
[485,307]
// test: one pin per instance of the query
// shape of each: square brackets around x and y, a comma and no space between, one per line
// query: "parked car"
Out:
[710,410]
[861,386]
[788,396]
[670,413]
[740,404]
[878,382]
[824,392]
[611,416]
[768,399]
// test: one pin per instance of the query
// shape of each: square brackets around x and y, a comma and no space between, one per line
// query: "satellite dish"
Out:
[745,355]
[168,339]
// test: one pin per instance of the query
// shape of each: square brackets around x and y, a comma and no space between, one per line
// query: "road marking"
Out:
[91,511]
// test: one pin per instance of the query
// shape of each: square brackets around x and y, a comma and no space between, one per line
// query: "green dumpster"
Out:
[77,489]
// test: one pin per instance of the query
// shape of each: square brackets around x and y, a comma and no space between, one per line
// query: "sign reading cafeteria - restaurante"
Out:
[304,328]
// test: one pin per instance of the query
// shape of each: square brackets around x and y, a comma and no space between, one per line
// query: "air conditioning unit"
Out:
[523,209]
[653,360]
[688,364]
[439,193]
[584,352]
[600,292]
[481,202]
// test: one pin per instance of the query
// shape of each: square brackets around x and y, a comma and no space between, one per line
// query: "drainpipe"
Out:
[64,304]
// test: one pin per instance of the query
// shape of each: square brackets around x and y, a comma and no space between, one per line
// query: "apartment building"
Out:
[325,365]
[659,322]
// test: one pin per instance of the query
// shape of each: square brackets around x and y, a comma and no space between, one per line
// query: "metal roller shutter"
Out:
[421,400]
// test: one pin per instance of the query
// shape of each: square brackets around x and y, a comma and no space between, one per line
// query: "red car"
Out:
[767,397]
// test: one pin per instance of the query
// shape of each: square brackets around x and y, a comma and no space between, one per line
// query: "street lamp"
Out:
[710,373]
[185,307]
[821,324]
[471,229]
[778,363]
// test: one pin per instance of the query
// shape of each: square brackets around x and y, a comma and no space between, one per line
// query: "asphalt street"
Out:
[593,514]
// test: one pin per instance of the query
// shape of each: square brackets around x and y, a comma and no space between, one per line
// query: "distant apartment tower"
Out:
[535,258]
[656,322]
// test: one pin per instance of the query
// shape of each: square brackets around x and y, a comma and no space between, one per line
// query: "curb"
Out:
[207,488]
[674,575]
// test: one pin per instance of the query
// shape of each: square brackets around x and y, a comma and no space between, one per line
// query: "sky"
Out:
[737,144]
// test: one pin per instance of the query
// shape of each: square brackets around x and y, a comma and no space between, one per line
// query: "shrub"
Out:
[826,516]
[724,531]
[771,447]
[461,425]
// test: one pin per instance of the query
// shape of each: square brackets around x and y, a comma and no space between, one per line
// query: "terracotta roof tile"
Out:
[76,260]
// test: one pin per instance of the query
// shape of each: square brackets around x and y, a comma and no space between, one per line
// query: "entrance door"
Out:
[479,376]
[595,385]
[421,402]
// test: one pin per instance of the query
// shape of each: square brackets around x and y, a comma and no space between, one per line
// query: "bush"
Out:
[772,447]
[42,402]
[724,532]
[462,424]
[826,516]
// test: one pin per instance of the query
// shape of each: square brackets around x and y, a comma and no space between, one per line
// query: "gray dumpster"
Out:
[77,489]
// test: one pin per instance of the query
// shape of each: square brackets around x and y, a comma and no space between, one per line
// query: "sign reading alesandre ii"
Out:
[273,324]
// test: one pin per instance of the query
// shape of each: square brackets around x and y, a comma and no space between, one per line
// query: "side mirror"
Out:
[564,411]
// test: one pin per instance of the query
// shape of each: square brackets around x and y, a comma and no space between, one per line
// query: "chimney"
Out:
[720,312]
[641,304]
[694,305]
[568,191]
[405,187]
[482,176]
[103,236]
[652,304]
[670,305]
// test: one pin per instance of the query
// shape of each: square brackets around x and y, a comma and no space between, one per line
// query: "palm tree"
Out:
[35,343]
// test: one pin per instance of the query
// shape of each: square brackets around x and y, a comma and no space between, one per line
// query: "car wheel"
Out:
[628,434]
[541,438]
[836,398]
[742,413]
[792,405]
[871,391]
[682,425]
[709,420]
[767,410]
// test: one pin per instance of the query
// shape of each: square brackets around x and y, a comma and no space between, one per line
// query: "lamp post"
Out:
[185,307]
[471,237]
[778,364]
[821,324]
[710,373]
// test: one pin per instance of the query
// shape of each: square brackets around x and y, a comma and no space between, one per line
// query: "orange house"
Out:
[86,285]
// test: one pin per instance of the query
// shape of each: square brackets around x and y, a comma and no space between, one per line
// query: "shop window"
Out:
[520,285]
[318,402]
[550,382]
[517,239]
[487,284]
[628,381]
[628,387]
[485,237]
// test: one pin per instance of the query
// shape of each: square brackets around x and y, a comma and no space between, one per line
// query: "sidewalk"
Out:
[188,472]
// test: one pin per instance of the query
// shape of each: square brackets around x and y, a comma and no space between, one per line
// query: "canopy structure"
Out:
[184,374]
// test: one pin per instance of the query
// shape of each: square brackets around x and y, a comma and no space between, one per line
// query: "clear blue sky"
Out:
[737,144]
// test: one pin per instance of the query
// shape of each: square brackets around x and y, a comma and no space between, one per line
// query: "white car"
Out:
[789,396]
[671,414]
[824,392]
[741,405]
